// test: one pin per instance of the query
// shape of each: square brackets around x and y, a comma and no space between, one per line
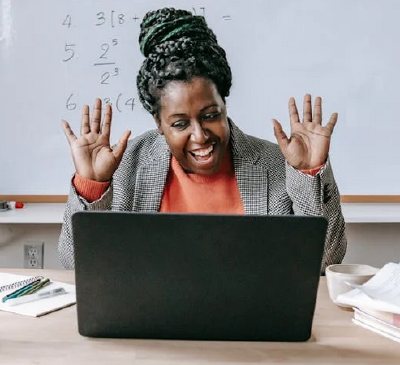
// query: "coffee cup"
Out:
[340,277]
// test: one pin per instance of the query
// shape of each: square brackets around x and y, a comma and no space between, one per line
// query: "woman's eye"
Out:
[211,116]
[181,124]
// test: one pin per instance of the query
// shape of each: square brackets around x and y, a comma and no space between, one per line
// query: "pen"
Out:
[37,296]
[34,288]
[20,290]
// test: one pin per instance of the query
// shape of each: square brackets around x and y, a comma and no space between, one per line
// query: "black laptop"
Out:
[197,277]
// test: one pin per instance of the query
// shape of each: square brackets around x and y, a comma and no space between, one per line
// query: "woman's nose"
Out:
[199,134]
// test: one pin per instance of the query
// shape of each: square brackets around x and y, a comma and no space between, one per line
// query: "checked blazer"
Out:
[267,185]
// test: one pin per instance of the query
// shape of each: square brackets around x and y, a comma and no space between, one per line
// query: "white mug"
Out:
[339,276]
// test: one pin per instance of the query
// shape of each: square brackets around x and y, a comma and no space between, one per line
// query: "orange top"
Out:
[191,193]
[313,171]
[89,189]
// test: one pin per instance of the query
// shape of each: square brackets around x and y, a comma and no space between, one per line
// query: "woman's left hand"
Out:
[308,145]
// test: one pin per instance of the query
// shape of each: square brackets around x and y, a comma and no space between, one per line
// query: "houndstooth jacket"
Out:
[267,185]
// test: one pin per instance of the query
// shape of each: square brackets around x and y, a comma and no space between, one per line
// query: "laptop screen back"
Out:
[197,277]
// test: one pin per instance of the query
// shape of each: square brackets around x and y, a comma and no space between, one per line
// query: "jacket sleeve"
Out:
[319,195]
[74,204]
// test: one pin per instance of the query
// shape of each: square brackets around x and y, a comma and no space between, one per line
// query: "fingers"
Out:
[332,122]
[293,113]
[68,132]
[106,126]
[96,116]
[120,147]
[317,117]
[307,109]
[94,124]
[308,116]
[280,135]
[85,128]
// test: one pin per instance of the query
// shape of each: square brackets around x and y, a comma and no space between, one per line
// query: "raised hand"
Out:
[91,152]
[309,141]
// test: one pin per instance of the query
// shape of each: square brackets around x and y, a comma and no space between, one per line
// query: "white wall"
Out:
[373,243]
[369,243]
[14,236]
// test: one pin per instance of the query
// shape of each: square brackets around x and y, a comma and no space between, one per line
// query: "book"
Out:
[10,282]
[376,325]
[376,303]
[392,319]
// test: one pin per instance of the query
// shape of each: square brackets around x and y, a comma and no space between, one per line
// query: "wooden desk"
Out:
[54,339]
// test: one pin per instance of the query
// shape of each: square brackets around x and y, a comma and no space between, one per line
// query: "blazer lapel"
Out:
[252,177]
[253,186]
[152,177]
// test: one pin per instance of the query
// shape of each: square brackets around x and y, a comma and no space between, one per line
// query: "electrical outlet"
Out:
[33,255]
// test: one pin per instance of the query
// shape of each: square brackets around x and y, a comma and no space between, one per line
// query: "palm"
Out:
[93,156]
[309,141]
[91,152]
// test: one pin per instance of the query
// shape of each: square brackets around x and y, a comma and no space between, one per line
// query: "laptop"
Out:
[197,276]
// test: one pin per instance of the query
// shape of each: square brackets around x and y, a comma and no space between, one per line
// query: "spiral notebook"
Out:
[11,282]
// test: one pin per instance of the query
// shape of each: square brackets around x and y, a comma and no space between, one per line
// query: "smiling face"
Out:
[194,122]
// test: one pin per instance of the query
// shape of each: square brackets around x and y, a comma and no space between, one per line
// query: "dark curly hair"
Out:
[178,46]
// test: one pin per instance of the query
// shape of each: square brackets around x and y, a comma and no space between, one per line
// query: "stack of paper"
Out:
[38,307]
[377,302]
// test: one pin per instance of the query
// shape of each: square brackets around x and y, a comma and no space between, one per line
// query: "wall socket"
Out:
[33,255]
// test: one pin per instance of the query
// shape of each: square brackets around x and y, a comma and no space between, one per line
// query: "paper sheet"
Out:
[382,292]
[39,307]
[385,285]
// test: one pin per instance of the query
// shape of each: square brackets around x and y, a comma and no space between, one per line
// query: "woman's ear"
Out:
[158,123]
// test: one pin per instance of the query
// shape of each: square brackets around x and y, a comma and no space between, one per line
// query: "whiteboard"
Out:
[56,56]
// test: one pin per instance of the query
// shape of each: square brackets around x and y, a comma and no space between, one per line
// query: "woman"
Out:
[198,160]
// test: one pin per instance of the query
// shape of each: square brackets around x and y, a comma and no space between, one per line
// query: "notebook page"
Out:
[39,307]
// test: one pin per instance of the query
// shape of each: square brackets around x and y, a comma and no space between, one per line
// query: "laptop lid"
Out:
[197,276]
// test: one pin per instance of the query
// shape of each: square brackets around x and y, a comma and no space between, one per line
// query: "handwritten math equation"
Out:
[108,70]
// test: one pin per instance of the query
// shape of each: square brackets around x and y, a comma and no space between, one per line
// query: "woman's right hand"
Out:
[91,152]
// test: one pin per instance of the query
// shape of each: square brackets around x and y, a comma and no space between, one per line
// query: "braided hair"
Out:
[178,46]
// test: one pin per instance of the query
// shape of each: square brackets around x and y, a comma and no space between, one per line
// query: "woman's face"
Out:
[194,122]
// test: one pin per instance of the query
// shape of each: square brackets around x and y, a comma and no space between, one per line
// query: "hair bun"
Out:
[170,24]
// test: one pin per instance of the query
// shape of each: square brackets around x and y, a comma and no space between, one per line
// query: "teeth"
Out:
[203,151]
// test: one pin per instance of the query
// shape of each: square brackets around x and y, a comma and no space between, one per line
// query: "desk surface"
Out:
[54,339]
[52,213]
